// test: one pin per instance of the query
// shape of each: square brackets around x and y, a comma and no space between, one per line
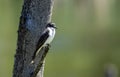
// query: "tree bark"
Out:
[36,14]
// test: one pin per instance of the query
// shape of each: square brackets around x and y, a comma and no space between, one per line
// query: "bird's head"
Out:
[51,25]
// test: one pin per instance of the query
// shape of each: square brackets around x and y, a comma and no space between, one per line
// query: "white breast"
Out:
[51,36]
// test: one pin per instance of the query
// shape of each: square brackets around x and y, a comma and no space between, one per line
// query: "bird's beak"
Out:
[55,27]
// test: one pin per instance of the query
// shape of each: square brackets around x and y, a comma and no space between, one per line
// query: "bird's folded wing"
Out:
[41,41]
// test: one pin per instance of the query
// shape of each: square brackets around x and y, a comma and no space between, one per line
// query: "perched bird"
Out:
[45,39]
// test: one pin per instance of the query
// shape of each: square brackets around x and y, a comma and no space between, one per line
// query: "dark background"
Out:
[87,40]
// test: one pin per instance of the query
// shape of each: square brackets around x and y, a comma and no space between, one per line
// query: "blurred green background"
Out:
[87,40]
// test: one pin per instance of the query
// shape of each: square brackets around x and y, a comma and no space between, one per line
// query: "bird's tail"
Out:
[35,54]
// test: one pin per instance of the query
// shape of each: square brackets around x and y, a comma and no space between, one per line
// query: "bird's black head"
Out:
[51,25]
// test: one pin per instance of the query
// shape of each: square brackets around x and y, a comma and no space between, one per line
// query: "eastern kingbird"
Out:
[45,39]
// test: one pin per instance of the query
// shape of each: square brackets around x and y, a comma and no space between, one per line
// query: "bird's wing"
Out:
[41,41]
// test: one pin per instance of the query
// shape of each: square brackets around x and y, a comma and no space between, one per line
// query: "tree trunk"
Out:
[35,16]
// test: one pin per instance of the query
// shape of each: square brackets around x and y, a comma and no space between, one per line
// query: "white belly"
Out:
[49,40]
[51,36]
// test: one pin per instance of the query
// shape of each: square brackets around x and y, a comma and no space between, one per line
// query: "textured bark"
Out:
[34,17]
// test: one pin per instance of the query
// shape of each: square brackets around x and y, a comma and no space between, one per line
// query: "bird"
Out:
[45,39]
